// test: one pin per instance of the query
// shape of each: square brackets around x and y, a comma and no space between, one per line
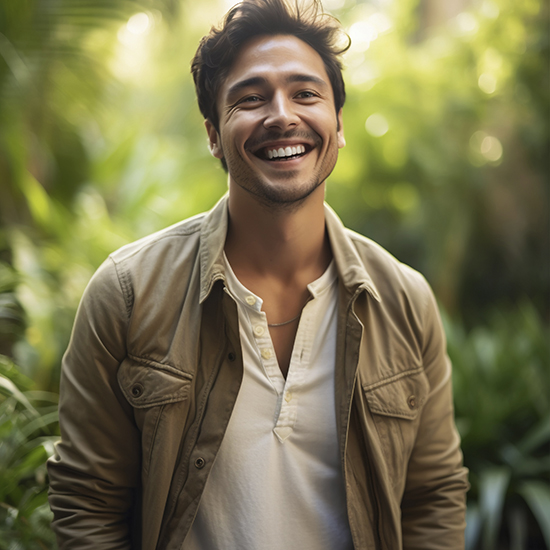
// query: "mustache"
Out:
[273,135]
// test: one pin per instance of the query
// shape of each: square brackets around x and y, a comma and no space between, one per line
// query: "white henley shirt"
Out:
[277,483]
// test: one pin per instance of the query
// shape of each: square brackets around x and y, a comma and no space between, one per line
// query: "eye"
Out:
[306,94]
[251,99]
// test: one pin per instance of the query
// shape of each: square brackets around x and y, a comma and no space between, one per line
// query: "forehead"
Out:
[275,59]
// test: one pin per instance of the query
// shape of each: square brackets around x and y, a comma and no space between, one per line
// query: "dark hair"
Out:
[218,49]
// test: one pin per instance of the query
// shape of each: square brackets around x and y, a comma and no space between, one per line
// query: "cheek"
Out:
[323,123]
[236,132]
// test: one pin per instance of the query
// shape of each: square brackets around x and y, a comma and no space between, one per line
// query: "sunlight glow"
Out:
[466,23]
[489,9]
[134,48]
[362,34]
[381,22]
[333,4]
[139,23]
[365,31]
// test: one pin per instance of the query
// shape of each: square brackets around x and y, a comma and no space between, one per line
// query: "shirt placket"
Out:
[299,362]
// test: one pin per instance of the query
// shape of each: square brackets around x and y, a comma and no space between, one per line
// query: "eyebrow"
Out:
[260,80]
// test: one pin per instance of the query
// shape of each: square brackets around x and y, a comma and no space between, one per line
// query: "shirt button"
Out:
[266,353]
[259,330]
[199,463]
[288,396]
[250,300]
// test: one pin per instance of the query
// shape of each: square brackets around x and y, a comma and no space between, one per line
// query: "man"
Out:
[259,377]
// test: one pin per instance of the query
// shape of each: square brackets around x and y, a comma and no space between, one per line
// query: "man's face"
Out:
[279,132]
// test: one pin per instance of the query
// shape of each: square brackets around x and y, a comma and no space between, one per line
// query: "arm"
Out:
[434,503]
[96,470]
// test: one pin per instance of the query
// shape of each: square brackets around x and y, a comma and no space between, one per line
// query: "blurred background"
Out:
[447,165]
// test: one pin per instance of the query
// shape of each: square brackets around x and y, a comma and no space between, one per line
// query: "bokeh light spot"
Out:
[139,23]
[381,22]
[491,148]
[377,125]
[485,148]
[489,9]
[487,83]
[362,34]
[466,23]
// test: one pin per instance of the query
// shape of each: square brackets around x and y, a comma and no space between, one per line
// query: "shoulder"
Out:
[170,238]
[392,279]
[162,260]
[407,315]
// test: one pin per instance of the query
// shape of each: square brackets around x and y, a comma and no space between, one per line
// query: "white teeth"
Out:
[286,152]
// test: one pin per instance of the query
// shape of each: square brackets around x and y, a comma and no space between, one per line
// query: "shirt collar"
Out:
[350,267]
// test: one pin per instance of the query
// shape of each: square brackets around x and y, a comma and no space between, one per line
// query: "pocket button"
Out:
[137,390]
[412,402]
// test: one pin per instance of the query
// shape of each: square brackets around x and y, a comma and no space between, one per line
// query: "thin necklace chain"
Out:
[286,322]
[272,325]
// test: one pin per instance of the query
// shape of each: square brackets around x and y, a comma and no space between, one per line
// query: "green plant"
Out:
[502,383]
[12,317]
[28,428]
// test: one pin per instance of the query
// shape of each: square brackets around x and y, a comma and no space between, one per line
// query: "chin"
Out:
[281,196]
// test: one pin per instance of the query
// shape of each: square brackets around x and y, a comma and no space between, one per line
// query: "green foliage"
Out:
[12,316]
[502,383]
[447,145]
[28,430]
[446,165]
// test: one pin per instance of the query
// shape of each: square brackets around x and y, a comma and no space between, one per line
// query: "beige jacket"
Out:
[154,367]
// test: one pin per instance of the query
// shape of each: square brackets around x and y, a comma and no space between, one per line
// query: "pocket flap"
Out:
[148,383]
[402,395]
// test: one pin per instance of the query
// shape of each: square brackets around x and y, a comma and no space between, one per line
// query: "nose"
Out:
[281,113]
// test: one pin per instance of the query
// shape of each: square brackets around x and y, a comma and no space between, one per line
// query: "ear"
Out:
[214,140]
[341,138]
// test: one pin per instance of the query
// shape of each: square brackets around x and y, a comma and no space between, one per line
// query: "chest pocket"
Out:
[148,384]
[150,387]
[396,404]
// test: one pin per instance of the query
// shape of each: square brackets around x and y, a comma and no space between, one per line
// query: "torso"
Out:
[277,481]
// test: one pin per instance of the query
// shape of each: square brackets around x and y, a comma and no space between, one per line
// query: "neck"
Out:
[276,242]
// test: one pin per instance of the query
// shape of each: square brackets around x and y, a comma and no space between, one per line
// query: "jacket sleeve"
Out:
[434,500]
[96,469]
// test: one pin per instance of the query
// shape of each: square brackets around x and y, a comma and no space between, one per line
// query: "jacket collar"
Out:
[212,241]
[351,269]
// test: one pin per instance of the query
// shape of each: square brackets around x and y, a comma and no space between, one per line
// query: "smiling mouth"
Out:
[281,154]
